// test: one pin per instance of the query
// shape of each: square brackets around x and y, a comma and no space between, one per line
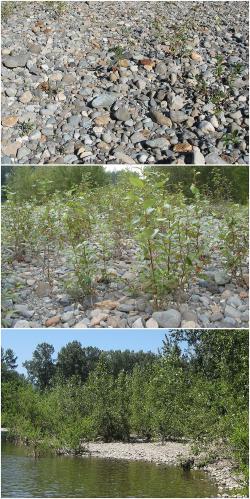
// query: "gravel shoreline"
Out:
[169,454]
[125,82]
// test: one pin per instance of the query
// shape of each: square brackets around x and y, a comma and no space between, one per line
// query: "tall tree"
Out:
[8,364]
[41,368]
[100,392]
[75,360]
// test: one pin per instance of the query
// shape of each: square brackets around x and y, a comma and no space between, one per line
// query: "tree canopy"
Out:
[195,388]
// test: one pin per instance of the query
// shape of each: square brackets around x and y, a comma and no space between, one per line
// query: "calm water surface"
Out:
[24,476]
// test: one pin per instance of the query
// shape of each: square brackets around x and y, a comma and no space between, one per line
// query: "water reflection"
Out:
[23,476]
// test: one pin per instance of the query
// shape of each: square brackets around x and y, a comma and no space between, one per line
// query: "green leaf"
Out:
[131,196]
[188,261]
[194,190]
[148,203]
[161,183]
[136,181]
[147,233]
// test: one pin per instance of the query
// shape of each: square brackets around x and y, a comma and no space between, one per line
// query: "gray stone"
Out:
[122,157]
[161,69]
[126,307]
[245,316]
[142,158]
[232,312]
[82,324]
[228,322]
[198,158]
[170,318]
[6,160]
[189,324]
[221,278]
[107,137]
[104,100]
[178,116]
[141,84]
[176,103]
[159,118]
[122,114]
[36,135]
[23,152]
[206,127]
[16,61]
[152,324]
[138,324]
[204,319]
[159,143]
[74,120]
[217,316]
[137,137]
[67,316]
[205,301]
[189,315]
[22,324]
[11,91]
[23,310]
[63,299]
[235,301]
[213,158]
[43,289]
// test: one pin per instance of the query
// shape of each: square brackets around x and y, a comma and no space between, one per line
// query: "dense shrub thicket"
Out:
[223,182]
[199,394]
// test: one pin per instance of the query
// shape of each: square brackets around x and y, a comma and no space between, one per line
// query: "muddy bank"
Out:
[170,454]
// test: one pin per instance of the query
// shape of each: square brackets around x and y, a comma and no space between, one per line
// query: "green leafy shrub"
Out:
[234,240]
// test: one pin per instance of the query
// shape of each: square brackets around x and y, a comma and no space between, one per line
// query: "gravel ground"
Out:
[215,301]
[125,82]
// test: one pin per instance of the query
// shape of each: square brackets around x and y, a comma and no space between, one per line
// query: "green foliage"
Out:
[232,138]
[141,411]
[170,216]
[19,225]
[41,368]
[100,398]
[235,177]
[78,224]
[219,69]
[199,394]
[26,127]
[234,237]
[59,7]
[169,234]
[8,360]
[38,183]
[75,360]
[240,440]
[118,52]
[7,8]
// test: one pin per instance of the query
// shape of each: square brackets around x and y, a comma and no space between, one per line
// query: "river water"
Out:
[24,476]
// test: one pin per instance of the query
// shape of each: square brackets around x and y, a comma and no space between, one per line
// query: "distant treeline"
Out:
[219,182]
[200,394]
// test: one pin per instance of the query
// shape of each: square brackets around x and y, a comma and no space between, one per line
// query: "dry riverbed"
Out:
[125,82]
[169,453]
